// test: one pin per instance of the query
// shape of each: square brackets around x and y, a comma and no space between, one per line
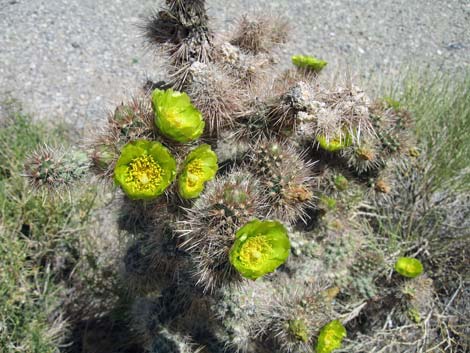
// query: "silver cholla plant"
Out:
[56,167]
[230,173]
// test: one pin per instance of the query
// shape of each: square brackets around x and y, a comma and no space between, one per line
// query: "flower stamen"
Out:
[144,173]
[255,250]
[195,167]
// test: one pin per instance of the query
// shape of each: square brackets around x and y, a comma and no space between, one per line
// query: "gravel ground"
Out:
[77,58]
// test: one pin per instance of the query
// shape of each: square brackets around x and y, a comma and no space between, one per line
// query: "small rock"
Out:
[455,46]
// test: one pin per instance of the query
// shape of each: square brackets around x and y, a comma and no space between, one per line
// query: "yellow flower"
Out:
[260,247]
[330,337]
[308,62]
[409,267]
[176,117]
[144,169]
[200,166]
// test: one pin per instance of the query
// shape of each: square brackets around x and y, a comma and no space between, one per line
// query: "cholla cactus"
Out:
[209,227]
[286,178]
[181,31]
[417,295]
[257,206]
[297,315]
[56,167]
[259,33]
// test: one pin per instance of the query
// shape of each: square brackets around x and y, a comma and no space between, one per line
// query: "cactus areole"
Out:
[260,247]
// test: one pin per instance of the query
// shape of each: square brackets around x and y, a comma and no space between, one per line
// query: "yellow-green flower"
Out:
[331,337]
[199,166]
[409,267]
[260,247]
[175,116]
[308,62]
[335,144]
[144,169]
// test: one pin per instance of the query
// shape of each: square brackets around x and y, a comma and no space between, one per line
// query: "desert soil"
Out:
[75,59]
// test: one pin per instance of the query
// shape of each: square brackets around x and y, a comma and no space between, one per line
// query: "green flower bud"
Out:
[331,337]
[341,183]
[175,116]
[144,169]
[308,62]
[199,166]
[409,267]
[327,203]
[299,330]
[260,247]
[414,315]
[334,145]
